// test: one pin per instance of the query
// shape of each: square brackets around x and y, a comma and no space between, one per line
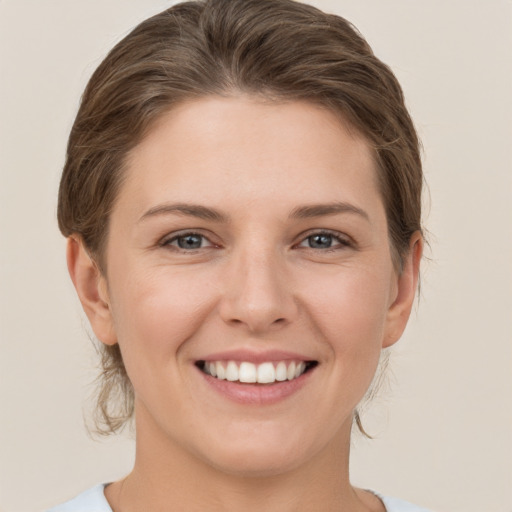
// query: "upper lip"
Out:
[255,357]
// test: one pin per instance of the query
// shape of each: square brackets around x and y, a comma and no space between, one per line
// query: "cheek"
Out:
[350,308]
[155,311]
[347,312]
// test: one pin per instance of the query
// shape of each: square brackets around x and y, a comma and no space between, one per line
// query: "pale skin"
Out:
[263,271]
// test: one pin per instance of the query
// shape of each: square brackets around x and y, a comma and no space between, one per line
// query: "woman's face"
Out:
[249,241]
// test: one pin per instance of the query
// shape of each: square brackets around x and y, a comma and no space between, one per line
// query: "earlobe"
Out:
[91,288]
[407,283]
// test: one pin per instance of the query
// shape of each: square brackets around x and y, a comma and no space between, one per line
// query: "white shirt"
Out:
[93,500]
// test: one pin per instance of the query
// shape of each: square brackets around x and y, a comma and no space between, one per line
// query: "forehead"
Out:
[250,149]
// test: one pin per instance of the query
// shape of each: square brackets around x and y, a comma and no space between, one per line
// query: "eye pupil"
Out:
[320,241]
[190,242]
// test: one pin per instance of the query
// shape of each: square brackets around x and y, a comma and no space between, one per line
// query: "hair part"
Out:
[280,50]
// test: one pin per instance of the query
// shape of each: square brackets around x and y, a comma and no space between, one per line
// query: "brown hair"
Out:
[278,49]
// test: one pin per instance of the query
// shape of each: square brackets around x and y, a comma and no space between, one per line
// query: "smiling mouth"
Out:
[250,373]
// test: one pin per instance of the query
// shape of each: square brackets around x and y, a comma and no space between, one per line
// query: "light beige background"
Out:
[444,431]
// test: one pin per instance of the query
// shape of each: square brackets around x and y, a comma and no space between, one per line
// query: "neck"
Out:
[165,473]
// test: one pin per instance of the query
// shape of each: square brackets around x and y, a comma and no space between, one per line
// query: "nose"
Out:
[257,293]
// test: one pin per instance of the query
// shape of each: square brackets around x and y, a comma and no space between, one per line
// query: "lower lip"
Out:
[257,394]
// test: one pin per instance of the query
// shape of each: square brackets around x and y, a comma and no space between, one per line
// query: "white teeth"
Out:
[232,371]
[281,372]
[290,372]
[264,373]
[221,372]
[247,372]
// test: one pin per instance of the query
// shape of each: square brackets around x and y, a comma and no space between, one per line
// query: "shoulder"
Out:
[396,505]
[92,500]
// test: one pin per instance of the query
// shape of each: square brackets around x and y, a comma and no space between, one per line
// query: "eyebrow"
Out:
[187,209]
[320,210]
[206,213]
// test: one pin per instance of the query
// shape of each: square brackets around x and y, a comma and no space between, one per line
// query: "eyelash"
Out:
[342,241]
[167,242]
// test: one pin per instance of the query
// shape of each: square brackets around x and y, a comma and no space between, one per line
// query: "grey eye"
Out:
[190,241]
[320,241]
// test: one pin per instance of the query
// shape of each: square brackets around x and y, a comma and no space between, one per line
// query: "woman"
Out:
[242,201]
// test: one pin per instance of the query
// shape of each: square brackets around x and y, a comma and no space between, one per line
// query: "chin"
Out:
[258,456]
[250,465]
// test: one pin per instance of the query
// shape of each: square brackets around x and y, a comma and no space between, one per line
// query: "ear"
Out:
[91,287]
[405,292]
